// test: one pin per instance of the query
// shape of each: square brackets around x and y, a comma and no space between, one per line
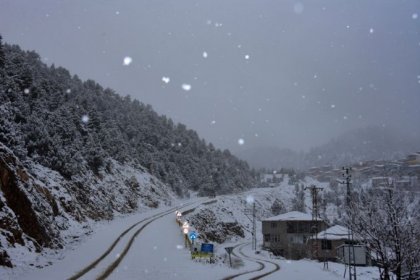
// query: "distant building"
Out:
[287,234]
[378,182]
[413,158]
[272,179]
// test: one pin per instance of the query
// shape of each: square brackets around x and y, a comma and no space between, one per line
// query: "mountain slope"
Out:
[74,127]
[368,143]
[72,152]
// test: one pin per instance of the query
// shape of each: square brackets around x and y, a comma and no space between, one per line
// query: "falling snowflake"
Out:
[250,199]
[345,117]
[247,56]
[371,30]
[127,60]
[68,90]
[117,13]
[179,247]
[26,90]
[348,26]
[166,80]
[315,76]
[117,256]
[414,16]
[241,141]
[332,106]
[186,87]
[205,54]
[85,118]
[298,8]
[213,122]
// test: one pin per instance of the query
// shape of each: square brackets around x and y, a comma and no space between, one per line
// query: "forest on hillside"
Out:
[78,127]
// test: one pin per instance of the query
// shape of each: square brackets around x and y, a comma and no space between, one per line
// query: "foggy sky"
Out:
[315,69]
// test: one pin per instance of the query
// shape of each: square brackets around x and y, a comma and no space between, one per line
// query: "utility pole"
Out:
[315,214]
[253,212]
[351,254]
[254,228]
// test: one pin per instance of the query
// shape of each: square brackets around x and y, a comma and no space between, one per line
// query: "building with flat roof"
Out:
[288,234]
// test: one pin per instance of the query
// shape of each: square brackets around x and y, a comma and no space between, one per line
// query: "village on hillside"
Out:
[297,235]
[404,173]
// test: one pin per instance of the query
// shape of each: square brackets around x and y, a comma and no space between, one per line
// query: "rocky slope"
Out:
[41,210]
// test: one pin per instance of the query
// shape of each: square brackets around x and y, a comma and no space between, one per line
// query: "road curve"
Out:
[262,265]
[113,265]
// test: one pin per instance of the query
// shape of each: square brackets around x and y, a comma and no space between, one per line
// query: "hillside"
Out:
[72,151]
[368,143]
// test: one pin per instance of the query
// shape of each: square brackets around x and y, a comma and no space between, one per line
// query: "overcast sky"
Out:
[279,73]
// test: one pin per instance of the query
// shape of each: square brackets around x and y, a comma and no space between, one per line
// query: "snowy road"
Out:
[265,267]
[156,251]
[111,258]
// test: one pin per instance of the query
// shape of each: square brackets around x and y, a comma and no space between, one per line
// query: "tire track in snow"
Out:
[261,262]
[118,239]
[261,265]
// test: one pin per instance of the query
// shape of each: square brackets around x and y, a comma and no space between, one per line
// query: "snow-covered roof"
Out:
[291,216]
[334,233]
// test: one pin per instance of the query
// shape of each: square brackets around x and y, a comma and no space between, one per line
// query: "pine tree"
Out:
[2,56]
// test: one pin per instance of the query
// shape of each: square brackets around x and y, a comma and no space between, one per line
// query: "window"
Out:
[303,227]
[273,225]
[326,244]
[266,238]
[291,227]
[296,239]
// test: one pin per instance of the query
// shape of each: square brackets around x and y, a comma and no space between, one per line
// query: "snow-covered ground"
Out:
[159,252]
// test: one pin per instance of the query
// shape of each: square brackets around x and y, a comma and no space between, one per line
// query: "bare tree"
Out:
[389,224]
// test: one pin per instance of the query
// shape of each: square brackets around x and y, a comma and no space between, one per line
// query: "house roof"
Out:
[291,216]
[334,233]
